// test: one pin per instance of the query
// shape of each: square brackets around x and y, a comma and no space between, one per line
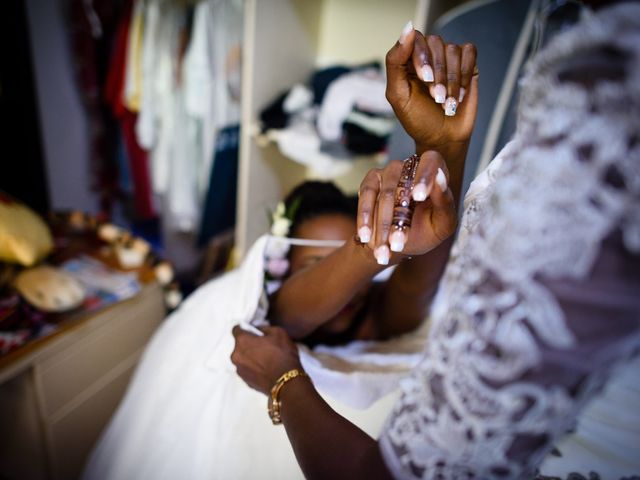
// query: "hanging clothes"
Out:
[189,92]
[115,89]
[211,74]
[92,27]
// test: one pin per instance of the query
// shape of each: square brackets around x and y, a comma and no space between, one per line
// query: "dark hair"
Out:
[313,198]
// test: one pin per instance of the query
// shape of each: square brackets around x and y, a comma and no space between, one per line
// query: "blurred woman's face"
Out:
[327,227]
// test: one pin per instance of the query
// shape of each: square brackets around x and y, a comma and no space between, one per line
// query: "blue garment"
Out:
[219,209]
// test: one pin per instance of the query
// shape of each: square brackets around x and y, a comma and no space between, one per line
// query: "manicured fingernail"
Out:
[420,192]
[427,73]
[365,234]
[405,32]
[461,96]
[450,107]
[382,255]
[397,240]
[439,93]
[441,180]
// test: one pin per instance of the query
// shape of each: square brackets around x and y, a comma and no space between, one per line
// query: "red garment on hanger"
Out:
[113,93]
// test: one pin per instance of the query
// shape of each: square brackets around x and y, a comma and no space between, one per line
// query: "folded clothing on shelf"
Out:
[343,112]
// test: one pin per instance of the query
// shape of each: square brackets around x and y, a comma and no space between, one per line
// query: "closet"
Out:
[284,42]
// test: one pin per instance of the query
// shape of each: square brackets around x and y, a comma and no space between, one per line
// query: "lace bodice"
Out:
[524,329]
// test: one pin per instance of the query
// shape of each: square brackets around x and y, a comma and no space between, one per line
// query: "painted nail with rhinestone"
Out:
[397,239]
[439,93]
[441,180]
[420,192]
[382,255]
[450,107]
[365,234]
[405,32]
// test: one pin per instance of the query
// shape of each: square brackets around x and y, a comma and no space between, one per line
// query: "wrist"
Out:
[364,256]
[446,149]
[367,257]
[274,404]
[288,364]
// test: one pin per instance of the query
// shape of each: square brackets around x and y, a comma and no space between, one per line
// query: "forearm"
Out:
[410,290]
[307,300]
[326,445]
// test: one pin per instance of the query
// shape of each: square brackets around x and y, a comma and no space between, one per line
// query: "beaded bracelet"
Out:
[404,204]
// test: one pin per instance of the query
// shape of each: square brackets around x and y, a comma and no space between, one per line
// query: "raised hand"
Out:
[422,197]
[433,88]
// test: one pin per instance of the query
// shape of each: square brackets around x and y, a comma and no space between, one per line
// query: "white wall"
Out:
[62,118]
[351,29]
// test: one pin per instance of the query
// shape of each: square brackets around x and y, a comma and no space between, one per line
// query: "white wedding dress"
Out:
[187,415]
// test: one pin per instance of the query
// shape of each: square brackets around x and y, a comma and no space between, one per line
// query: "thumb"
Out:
[443,215]
[397,61]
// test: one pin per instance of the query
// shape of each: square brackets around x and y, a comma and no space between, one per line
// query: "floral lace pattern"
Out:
[570,178]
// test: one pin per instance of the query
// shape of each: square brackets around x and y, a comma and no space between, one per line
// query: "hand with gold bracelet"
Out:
[261,360]
[317,434]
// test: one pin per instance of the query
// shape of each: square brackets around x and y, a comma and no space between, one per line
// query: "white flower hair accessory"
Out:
[279,243]
[276,262]
[280,224]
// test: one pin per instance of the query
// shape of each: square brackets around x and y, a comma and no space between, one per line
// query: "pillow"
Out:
[24,237]
[50,289]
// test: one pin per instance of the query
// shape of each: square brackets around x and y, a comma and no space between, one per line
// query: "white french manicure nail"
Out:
[405,32]
[420,192]
[365,234]
[427,73]
[397,240]
[439,93]
[450,106]
[441,180]
[461,96]
[382,255]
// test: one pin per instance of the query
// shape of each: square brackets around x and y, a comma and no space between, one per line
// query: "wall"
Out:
[62,119]
[367,33]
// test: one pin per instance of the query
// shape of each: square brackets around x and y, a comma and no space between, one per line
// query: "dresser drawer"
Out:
[75,434]
[112,335]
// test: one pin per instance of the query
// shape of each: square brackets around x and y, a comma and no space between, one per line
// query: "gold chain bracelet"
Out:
[273,404]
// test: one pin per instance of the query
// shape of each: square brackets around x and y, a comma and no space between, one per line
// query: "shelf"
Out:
[284,42]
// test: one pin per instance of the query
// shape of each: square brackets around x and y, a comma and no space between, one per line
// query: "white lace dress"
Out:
[541,300]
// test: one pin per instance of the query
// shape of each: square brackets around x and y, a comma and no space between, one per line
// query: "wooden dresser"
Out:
[58,393]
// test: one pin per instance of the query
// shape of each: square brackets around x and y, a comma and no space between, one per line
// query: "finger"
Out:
[468,109]
[384,211]
[425,174]
[267,330]
[236,330]
[252,330]
[397,60]
[467,67]
[435,46]
[452,52]
[367,195]
[443,212]
[421,58]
